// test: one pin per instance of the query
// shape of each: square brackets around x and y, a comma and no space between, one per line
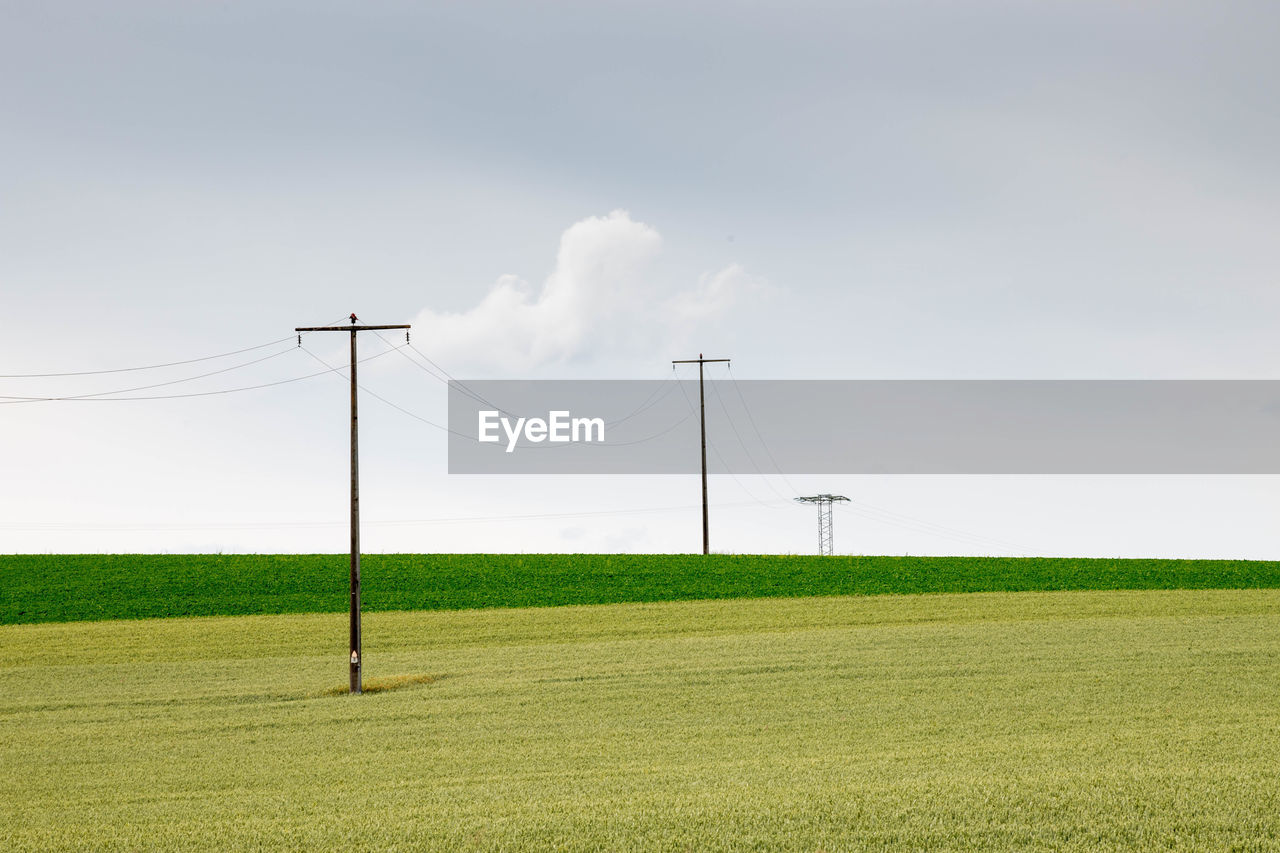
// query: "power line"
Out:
[475,439]
[444,376]
[720,399]
[658,395]
[306,525]
[652,400]
[447,378]
[751,419]
[741,485]
[716,452]
[149,387]
[915,525]
[647,438]
[192,394]
[942,529]
[865,510]
[145,366]
[396,406]
[869,511]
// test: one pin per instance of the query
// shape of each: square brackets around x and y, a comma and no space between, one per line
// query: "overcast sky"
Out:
[901,189]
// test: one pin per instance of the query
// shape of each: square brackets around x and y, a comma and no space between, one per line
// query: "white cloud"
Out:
[600,299]
[715,295]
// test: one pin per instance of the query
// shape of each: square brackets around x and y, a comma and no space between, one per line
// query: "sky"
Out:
[913,189]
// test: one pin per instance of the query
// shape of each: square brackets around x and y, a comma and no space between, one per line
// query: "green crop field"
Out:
[60,588]
[1037,720]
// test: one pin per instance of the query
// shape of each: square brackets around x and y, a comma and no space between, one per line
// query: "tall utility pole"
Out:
[702,408]
[826,539]
[357,686]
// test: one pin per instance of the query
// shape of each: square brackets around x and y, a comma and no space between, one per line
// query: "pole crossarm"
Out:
[346,328]
[697,360]
[357,658]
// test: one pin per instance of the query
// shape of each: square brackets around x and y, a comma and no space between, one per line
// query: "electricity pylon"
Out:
[825,539]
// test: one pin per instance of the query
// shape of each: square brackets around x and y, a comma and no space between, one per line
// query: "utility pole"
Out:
[357,686]
[826,539]
[702,408]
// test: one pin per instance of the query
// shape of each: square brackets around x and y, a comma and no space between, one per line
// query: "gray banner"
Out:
[866,427]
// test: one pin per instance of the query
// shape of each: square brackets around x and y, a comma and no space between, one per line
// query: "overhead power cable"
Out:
[652,400]
[192,394]
[440,374]
[751,420]
[866,510]
[720,399]
[443,376]
[651,437]
[267,525]
[741,485]
[918,525]
[659,393]
[146,366]
[149,387]
[716,452]
[337,371]
[475,439]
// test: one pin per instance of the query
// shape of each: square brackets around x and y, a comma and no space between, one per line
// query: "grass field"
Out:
[1061,720]
[60,588]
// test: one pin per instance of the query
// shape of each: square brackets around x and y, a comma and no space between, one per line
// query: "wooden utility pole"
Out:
[702,408]
[357,685]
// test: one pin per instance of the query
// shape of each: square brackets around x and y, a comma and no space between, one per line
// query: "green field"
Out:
[1059,720]
[61,588]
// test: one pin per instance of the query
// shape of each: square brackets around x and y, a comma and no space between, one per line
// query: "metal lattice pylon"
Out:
[826,538]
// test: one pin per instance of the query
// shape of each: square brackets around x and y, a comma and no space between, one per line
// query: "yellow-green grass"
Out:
[1061,720]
